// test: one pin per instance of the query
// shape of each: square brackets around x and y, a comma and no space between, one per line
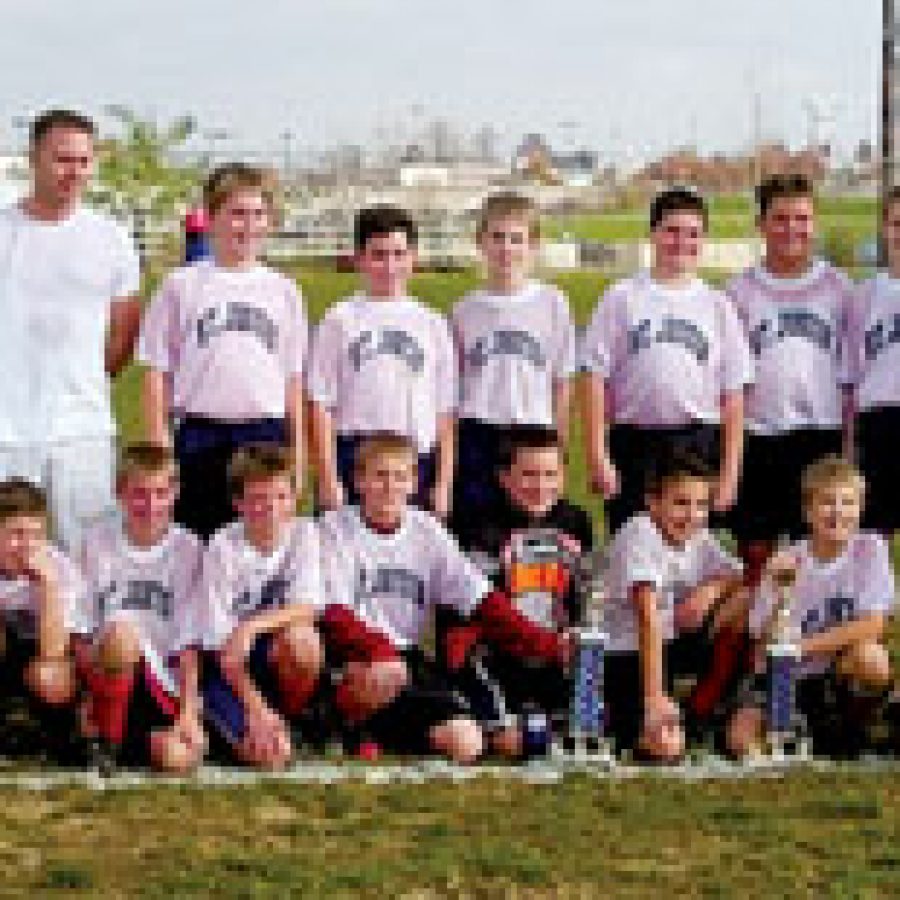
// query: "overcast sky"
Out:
[630,77]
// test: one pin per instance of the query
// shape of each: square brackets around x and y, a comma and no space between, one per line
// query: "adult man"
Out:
[68,276]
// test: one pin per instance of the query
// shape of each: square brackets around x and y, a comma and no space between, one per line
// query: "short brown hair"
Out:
[258,462]
[60,118]
[382,218]
[784,185]
[508,204]
[19,497]
[680,465]
[225,180]
[381,444]
[679,199]
[144,458]
[828,471]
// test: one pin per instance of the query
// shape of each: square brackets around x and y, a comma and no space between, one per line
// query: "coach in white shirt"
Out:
[68,280]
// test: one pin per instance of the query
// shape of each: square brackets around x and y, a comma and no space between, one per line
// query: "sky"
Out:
[631,78]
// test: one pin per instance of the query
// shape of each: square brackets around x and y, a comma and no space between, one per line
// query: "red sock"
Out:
[111,695]
[295,692]
[727,656]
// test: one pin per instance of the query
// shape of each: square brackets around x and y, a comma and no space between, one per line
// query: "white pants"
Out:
[77,476]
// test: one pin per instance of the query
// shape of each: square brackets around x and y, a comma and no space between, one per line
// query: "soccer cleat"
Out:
[104,757]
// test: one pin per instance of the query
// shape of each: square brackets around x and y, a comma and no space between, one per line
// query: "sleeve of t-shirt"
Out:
[77,594]
[325,362]
[213,625]
[762,608]
[446,371]
[297,337]
[598,346]
[190,618]
[457,583]
[875,587]
[158,345]
[845,370]
[853,355]
[126,267]
[736,370]
[304,573]
[565,362]
[716,561]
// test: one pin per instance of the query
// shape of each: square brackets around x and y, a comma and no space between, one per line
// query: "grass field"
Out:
[806,835]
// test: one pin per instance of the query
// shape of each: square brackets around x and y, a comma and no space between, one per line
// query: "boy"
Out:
[39,587]
[259,592]
[386,567]
[533,539]
[669,585]
[667,366]
[793,309]
[873,352]
[381,361]
[225,340]
[842,595]
[516,343]
[135,620]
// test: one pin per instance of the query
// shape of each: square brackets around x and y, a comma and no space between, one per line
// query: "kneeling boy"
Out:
[38,590]
[135,622]
[260,588]
[842,594]
[669,586]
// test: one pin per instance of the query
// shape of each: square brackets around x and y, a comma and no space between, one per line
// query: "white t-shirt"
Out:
[873,339]
[238,581]
[856,583]
[394,581]
[796,331]
[384,365]
[512,351]
[667,354]
[19,599]
[230,339]
[57,281]
[639,554]
[154,589]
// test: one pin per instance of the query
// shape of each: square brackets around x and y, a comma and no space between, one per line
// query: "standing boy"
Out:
[667,366]
[225,343]
[383,362]
[516,343]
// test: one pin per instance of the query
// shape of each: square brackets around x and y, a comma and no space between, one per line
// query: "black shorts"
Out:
[878,448]
[497,686]
[769,498]
[150,709]
[203,448]
[404,725]
[634,449]
[624,697]
[346,449]
[475,484]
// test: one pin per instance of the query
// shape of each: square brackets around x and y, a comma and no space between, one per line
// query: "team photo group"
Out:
[163,602]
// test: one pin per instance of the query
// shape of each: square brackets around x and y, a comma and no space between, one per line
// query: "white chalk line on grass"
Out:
[542,772]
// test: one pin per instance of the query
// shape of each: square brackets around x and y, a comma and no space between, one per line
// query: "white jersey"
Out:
[239,582]
[667,354]
[856,583]
[513,349]
[796,331]
[57,281]
[19,601]
[873,339]
[384,365]
[394,581]
[229,339]
[153,589]
[640,554]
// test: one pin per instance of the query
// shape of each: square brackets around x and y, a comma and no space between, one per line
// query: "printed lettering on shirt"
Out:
[680,332]
[792,323]
[882,335]
[389,581]
[390,342]
[507,342]
[272,595]
[237,317]
[137,594]
[836,611]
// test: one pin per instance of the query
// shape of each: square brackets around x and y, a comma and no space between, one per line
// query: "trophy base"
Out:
[592,752]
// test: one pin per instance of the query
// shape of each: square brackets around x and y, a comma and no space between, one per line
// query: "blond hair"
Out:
[379,445]
[19,497]
[237,176]
[508,204]
[258,462]
[828,471]
[144,458]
